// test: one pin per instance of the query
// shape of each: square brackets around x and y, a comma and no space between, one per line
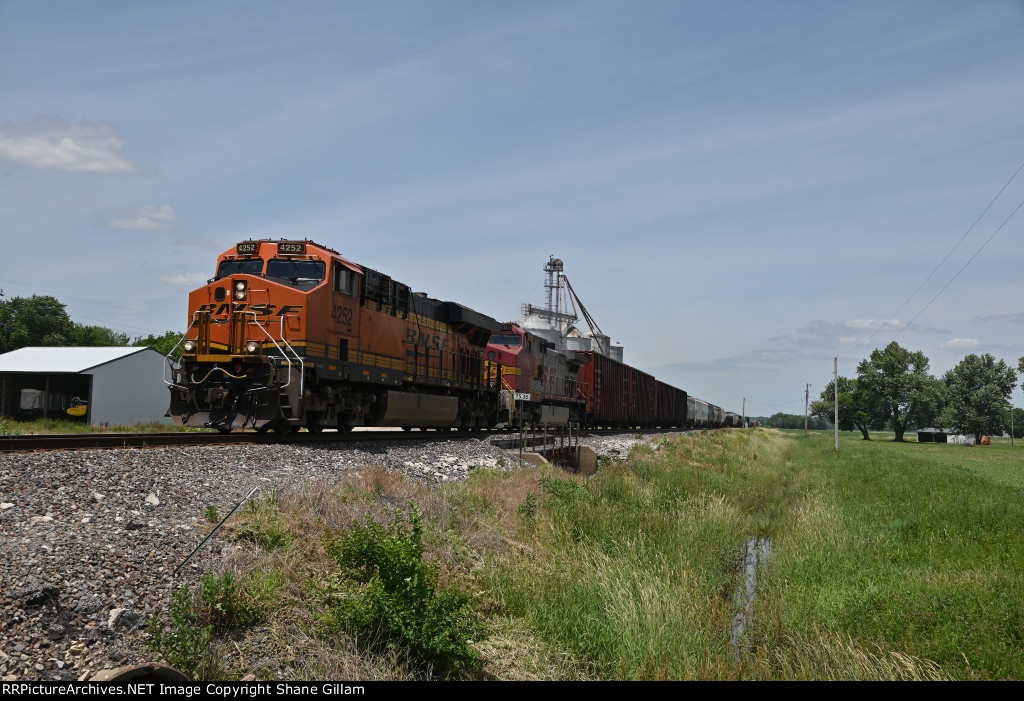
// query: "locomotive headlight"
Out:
[240,289]
[189,346]
[252,347]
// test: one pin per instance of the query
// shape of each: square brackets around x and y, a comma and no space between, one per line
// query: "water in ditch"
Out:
[755,551]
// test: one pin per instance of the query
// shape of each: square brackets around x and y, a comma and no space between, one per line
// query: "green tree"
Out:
[98,336]
[781,420]
[1018,423]
[39,320]
[978,395]
[898,391]
[852,406]
[164,344]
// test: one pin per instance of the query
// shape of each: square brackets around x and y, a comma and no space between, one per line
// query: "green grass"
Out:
[11,427]
[914,548]
[889,561]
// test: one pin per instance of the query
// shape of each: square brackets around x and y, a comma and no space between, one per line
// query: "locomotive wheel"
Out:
[406,428]
[284,428]
[221,429]
[263,429]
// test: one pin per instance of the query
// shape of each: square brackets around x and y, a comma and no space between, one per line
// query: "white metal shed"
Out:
[121,385]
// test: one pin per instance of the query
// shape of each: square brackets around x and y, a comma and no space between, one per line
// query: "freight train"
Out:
[290,334]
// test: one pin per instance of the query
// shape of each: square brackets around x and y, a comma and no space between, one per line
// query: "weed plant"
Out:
[390,596]
[185,642]
[262,523]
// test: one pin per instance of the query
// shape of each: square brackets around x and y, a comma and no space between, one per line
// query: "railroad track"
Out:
[88,441]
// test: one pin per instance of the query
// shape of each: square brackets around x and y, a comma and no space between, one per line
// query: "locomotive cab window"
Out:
[298,272]
[245,266]
[345,281]
[506,339]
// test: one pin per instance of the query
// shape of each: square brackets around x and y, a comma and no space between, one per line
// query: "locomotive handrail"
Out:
[170,355]
[298,358]
[266,332]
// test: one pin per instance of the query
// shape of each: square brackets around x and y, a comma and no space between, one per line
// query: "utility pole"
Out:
[744,422]
[807,397]
[1011,425]
[835,387]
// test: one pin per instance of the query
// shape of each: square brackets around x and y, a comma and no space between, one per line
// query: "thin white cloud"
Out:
[873,324]
[51,143]
[185,279]
[955,343]
[142,217]
[1013,318]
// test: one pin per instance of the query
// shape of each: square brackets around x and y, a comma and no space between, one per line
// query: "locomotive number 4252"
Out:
[342,316]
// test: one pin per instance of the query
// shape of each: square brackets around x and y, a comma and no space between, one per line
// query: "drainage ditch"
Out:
[755,551]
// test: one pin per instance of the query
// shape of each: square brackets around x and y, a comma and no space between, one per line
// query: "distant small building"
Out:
[961,440]
[115,384]
[933,435]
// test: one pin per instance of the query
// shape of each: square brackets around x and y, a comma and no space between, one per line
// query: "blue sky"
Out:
[740,190]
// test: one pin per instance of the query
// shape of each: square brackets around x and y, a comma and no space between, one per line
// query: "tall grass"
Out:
[641,562]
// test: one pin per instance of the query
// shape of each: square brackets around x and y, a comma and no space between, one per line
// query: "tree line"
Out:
[42,320]
[814,423]
[893,390]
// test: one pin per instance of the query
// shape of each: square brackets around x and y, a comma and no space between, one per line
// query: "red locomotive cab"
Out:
[509,360]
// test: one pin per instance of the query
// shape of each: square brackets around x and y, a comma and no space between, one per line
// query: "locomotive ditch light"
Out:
[189,347]
[240,289]
[252,347]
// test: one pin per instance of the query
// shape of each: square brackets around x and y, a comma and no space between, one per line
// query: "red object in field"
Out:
[985,440]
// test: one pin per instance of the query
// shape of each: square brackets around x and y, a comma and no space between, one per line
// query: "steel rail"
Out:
[86,441]
[29,443]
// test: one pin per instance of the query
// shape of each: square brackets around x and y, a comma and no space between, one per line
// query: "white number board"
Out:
[521,396]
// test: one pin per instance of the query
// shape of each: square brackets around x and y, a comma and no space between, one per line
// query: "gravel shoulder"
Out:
[89,540]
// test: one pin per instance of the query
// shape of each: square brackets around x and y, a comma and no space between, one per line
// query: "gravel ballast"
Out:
[89,539]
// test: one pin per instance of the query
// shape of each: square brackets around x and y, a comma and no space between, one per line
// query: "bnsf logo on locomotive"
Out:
[257,309]
[421,338]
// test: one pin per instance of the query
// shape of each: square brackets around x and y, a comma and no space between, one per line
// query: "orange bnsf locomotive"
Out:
[290,334]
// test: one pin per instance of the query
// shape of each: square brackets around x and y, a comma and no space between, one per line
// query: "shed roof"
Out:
[60,359]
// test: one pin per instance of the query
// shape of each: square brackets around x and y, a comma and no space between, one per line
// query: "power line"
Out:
[799,399]
[111,323]
[65,295]
[949,253]
[989,239]
[943,261]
